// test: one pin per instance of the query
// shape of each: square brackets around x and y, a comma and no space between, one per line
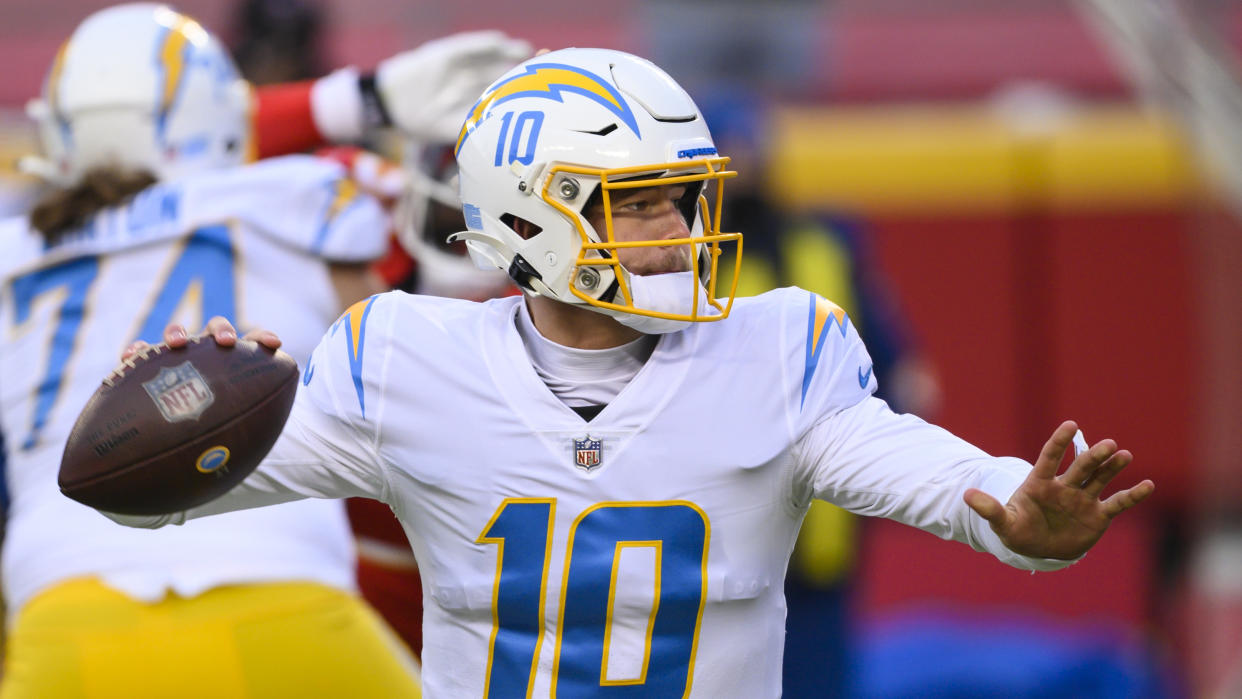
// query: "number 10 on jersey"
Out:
[677,534]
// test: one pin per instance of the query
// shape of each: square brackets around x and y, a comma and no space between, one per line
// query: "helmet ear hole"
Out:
[525,229]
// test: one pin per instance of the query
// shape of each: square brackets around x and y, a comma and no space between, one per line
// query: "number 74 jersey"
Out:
[641,553]
[250,243]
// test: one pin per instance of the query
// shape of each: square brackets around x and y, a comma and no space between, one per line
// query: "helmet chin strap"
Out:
[671,293]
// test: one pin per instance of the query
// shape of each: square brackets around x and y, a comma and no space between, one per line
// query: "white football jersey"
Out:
[643,552]
[247,243]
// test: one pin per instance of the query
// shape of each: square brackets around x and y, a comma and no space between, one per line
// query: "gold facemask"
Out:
[706,247]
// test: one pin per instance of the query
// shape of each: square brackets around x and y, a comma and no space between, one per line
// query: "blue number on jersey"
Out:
[207,261]
[522,531]
[75,277]
[205,267]
[678,531]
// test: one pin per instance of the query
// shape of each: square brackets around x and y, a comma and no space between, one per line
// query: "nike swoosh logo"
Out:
[306,376]
[864,379]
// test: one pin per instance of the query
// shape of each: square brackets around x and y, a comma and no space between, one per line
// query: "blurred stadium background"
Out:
[1051,188]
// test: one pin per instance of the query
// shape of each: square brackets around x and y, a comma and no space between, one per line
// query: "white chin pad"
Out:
[672,293]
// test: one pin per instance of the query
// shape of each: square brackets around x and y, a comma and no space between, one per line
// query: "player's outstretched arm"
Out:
[1051,516]
[218,327]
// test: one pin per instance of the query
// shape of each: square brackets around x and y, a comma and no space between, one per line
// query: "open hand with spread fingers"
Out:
[1051,516]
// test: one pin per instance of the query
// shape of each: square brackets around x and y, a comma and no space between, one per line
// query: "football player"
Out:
[152,217]
[603,479]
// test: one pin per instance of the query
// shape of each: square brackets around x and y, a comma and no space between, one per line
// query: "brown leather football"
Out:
[171,429]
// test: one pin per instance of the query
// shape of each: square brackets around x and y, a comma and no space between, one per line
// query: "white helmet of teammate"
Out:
[140,86]
[573,127]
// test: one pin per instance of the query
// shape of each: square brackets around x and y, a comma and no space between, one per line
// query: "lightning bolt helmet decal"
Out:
[550,81]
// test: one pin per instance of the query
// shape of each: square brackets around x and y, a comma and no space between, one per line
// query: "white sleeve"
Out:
[327,449]
[872,461]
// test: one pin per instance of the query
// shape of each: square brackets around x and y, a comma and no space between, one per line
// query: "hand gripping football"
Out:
[171,429]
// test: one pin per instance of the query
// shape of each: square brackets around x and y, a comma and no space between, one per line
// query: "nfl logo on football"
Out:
[179,392]
[587,452]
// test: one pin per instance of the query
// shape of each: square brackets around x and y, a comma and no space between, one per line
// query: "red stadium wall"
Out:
[1104,334]
[1046,277]
[1098,325]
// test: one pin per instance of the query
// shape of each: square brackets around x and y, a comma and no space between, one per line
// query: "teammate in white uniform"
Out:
[232,242]
[602,486]
[250,601]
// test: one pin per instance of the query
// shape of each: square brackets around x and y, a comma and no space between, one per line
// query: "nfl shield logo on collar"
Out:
[588,452]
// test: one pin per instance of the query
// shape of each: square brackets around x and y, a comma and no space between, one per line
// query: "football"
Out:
[171,429]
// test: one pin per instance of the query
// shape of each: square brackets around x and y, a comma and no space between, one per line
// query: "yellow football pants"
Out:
[83,639]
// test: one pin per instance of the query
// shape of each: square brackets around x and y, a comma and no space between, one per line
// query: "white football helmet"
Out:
[141,86]
[576,126]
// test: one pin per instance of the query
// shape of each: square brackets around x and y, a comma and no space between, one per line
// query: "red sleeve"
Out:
[283,122]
